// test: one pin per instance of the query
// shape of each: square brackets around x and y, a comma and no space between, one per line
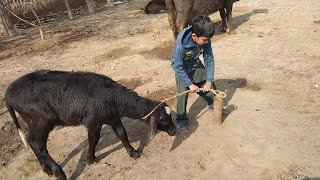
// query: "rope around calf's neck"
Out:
[218,93]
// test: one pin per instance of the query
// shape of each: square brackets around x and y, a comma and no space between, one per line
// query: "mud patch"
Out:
[160,95]
[113,54]
[317,22]
[137,31]
[243,83]
[77,34]
[2,106]
[227,85]
[253,86]
[9,47]
[164,52]
[133,83]
[55,40]
[10,142]
[30,166]
[238,83]
[293,172]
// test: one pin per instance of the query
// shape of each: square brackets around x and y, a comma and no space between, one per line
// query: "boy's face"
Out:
[200,40]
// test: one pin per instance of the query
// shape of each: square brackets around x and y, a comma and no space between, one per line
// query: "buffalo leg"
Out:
[122,135]
[223,16]
[93,137]
[229,6]
[181,22]
[34,148]
[184,14]
[172,16]
[38,141]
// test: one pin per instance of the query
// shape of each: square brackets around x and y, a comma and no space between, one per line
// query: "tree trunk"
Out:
[111,3]
[5,22]
[3,27]
[91,6]
[68,9]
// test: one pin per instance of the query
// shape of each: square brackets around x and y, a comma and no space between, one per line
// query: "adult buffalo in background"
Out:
[181,12]
[155,7]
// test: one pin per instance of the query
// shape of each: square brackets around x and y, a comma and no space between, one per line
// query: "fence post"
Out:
[217,109]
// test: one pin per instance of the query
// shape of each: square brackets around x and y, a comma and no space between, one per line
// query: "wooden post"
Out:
[39,27]
[41,33]
[68,9]
[91,6]
[6,24]
[3,27]
[217,110]
[111,3]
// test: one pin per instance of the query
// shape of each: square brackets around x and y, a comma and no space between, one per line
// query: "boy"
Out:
[189,71]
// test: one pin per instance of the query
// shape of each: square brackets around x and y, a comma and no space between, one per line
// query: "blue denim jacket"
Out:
[185,57]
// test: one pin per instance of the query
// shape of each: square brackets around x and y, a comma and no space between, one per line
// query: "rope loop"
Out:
[218,93]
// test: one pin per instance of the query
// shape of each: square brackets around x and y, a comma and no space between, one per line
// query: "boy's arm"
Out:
[209,61]
[178,66]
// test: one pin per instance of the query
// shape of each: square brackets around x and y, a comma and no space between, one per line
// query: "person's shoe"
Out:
[210,107]
[182,127]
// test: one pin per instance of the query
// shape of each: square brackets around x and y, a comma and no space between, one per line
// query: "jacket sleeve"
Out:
[209,62]
[178,66]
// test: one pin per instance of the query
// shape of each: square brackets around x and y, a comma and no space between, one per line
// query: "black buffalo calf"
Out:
[45,99]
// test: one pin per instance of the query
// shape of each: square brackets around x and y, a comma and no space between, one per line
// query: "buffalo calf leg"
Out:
[37,140]
[223,16]
[93,137]
[229,6]
[34,148]
[122,135]
[230,28]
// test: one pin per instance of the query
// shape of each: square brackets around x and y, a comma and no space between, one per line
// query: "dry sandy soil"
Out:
[270,70]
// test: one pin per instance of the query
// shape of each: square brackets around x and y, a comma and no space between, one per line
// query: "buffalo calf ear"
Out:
[152,129]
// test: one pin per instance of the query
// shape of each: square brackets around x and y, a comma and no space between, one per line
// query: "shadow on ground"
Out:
[241,19]
[226,85]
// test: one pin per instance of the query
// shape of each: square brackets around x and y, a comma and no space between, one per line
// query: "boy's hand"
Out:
[194,88]
[207,86]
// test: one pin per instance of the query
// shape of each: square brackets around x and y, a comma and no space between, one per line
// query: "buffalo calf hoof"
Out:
[62,178]
[136,154]
[231,32]
[92,160]
[223,29]
[47,170]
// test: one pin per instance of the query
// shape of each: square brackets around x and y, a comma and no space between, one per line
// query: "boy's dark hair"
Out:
[202,26]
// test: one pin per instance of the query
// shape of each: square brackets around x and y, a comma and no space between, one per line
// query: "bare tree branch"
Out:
[68,9]
[36,15]
[20,18]
[39,27]
[5,22]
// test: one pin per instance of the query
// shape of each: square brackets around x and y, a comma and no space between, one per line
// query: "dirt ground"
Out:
[270,70]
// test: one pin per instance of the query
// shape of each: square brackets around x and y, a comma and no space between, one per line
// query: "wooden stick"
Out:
[68,9]
[4,27]
[41,33]
[20,18]
[217,111]
[39,27]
